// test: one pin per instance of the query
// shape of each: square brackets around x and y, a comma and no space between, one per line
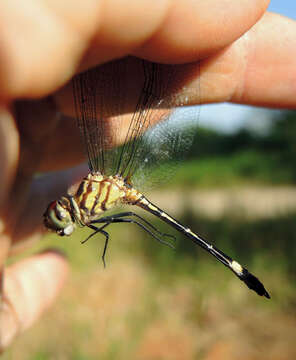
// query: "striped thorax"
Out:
[95,195]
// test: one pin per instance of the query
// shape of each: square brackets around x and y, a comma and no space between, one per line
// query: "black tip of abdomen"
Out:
[254,284]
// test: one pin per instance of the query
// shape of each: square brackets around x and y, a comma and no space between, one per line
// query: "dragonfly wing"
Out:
[107,116]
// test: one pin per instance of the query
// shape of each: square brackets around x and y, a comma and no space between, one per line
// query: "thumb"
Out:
[30,287]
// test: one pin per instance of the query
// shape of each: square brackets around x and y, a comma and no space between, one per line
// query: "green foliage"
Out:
[273,240]
[219,159]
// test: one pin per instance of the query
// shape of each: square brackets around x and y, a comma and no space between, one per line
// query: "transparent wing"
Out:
[145,126]
[93,93]
[163,147]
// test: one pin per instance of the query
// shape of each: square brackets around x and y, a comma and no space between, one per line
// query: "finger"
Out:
[42,42]
[64,149]
[270,72]
[43,190]
[34,134]
[9,151]
[258,69]
[194,29]
[171,31]
[30,287]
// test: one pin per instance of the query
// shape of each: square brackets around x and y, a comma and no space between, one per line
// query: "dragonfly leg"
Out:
[105,246]
[120,218]
[111,219]
[101,231]
[130,213]
[96,231]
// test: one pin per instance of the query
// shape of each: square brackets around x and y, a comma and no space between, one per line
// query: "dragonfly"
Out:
[110,182]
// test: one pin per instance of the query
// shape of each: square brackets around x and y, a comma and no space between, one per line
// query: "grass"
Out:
[240,168]
[155,303]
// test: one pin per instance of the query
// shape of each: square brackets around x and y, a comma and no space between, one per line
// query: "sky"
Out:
[229,117]
[284,7]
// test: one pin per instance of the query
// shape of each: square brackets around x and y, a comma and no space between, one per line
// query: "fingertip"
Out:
[30,287]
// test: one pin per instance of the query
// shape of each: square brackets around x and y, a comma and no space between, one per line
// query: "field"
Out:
[152,302]
[157,303]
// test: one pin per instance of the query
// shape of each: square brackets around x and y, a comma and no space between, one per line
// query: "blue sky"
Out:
[228,117]
[284,7]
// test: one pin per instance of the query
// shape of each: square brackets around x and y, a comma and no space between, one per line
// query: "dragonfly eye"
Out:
[58,218]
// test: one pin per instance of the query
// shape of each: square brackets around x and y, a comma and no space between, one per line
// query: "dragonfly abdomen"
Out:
[242,273]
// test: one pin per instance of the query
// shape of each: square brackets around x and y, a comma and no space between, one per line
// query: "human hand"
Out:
[246,60]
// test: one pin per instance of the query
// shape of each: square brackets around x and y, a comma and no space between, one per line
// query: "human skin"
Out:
[246,56]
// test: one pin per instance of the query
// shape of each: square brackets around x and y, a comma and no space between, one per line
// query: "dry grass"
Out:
[138,310]
[248,201]
[124,312]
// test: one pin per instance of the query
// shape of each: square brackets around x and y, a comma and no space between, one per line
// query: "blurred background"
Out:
[237,189]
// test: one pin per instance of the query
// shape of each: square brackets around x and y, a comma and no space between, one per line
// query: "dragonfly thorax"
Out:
[95,195]
[98,193]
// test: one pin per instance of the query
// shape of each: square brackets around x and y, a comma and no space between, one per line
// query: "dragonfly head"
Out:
[57,217]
